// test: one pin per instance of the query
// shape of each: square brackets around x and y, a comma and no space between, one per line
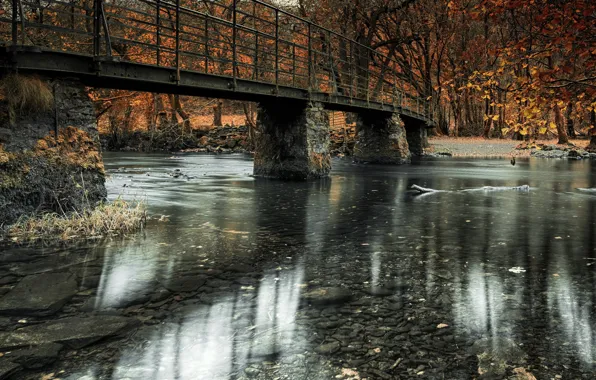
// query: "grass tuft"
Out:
[25,93]
[115,218]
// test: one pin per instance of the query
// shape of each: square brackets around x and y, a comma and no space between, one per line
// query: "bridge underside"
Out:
[293,124]
[111,73]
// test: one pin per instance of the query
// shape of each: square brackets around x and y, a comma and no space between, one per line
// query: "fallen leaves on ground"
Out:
[523,374]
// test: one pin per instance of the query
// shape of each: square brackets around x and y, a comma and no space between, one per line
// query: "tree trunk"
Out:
[563,138]
[178,110]
[217,109]
[570,127]
[249,114]
[162,117]
[489,120]
[592,146]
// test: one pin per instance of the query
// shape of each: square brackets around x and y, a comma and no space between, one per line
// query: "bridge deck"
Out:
[245,50]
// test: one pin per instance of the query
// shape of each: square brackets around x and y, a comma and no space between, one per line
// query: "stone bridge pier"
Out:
[293,140]
[381,139]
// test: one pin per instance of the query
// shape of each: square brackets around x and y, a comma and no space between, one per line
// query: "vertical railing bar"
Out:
[106,30]
[234,36]
[277,50]
[394,92]
[158,32]
[367,81]
[254,26]
[23,21]
[206,44]
[309,59]
[15,30]
[177,41]
[96,26]
[256,56]
[330,58]
[351,70]
[294,65]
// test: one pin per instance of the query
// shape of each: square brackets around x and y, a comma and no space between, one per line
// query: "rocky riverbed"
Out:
[65,313]
[254,279]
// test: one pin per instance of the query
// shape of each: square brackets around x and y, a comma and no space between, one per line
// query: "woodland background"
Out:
[522,69]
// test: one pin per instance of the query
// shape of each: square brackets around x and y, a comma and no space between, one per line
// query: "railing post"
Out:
[368,83]
[206,44]
[158,32]
[15,30]
[177,41]
[256,55]
[352,92]
[309,59]
[96,27]
[277,50]
[293,65]
[234,36]
[331,72]
[394,92]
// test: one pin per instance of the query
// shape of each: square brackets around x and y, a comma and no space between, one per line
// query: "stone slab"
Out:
[35,357]
[39,295]
[75,332]
[8,368]
[328,296]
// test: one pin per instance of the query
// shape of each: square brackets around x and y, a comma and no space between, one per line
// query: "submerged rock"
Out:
[328,296]
[328,348]
[76,332]
[35,357]
[185,284]
[8,368]
[39,295]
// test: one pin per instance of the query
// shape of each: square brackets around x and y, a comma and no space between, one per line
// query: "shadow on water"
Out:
[267,279]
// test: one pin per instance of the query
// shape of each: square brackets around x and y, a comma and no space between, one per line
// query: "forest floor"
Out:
[480,147]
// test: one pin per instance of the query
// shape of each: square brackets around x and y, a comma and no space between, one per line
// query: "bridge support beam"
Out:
[381,139]
[293,140]
[50,156]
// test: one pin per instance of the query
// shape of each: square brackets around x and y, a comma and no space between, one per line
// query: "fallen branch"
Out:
[425,190]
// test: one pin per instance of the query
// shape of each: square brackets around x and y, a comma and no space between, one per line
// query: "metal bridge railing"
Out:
[240,39]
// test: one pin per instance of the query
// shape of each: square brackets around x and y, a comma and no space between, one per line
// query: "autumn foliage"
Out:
[493,68]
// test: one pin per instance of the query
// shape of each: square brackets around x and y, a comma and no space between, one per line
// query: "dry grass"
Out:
[115,218]
[25,93]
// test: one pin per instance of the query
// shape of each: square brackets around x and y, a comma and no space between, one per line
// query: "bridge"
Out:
[239,49]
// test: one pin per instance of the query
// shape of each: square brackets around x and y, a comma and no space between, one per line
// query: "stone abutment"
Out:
[50,159]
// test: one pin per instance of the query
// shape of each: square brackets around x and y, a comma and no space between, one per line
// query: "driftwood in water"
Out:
[425,190]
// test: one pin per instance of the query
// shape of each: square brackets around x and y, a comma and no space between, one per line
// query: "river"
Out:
[349,277]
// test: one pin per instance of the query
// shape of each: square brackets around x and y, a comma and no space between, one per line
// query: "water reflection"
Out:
[218,340]
[495,267]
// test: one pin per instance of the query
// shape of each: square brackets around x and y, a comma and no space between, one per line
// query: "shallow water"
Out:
[353,276]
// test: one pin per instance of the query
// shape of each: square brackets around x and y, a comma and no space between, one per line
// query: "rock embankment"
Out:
[50,159]
[561,151]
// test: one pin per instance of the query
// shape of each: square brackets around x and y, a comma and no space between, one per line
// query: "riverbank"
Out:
[497,148]
[226,139]
[231,139]
[107,219]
